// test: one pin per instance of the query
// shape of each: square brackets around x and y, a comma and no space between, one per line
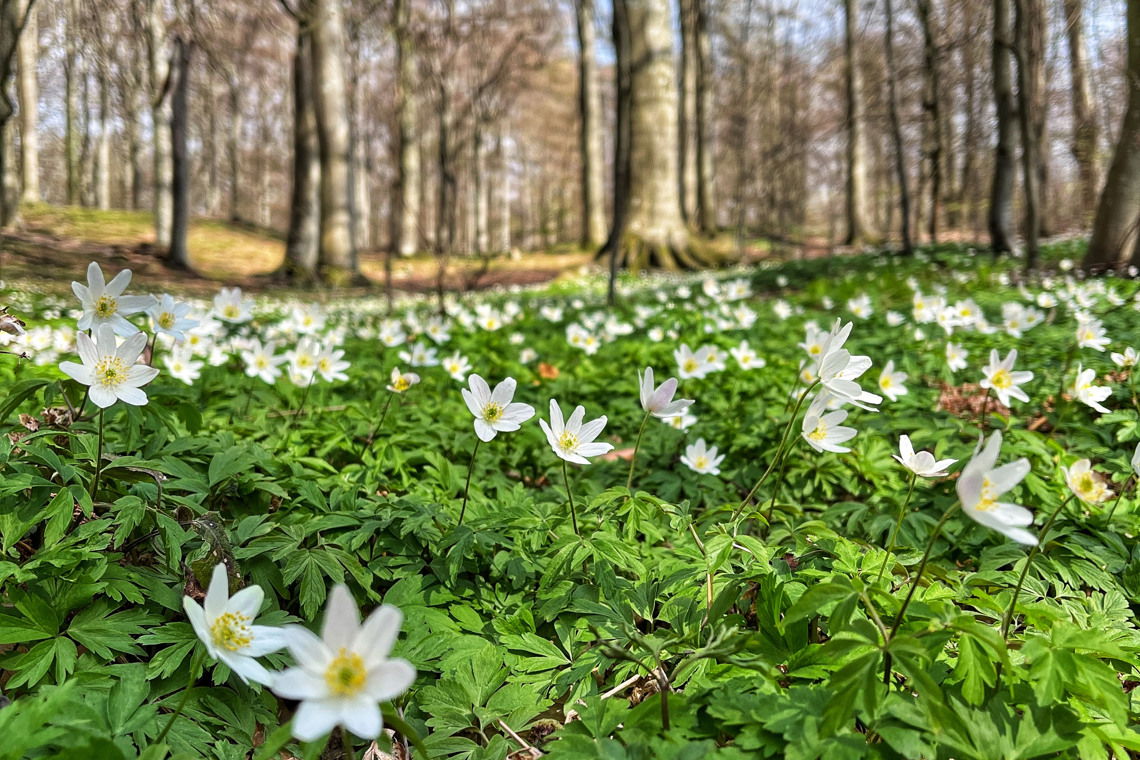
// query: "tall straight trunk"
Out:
[1030,51]
[162,199]
[706,202]
[233,146]
[687,117]
[337,252]
[1084,117]
[1118,213]
[180,167]
[969,182]
[1001,193]
[103,147]
[406,208]
[71,78]
[12,16]
[134,110]
[856,206]
[479,189]
[28,93]
[589,129]
[932,124]
[896,132]
[301,245]
[502,191]
[212,153]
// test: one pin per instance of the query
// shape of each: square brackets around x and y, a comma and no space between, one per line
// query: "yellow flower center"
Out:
[346,675]
[691,365]
[1001,379]
[231,311]
[106,307]
[324,365]
[110,371]
[166,320]
[304,361]
[230,631]
[492,412]
[986,500]
[815,349]
[701,462]
[819,433]
[401,384]
[886,381]
[567,441]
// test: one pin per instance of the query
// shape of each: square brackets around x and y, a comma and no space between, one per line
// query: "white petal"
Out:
[504,392]
[118,283]
[266,639]
[342,619]
[362,717]
[78,372]
[247,668]
[102,397]
[484,430]
[298,683]
[218,594]
[132,396]
[316,718]
[247,601]
[376,637]
[390,679]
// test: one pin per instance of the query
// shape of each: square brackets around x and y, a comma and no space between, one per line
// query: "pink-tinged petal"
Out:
[472,403]
[218,594]
[266,639]
[140,374]
[247,668]
[342,619]
[390,679]
[664,394]
[307,648]
[102,396]
[316,718]
[86,348]
[362,717]
[484,431]
[645,387]
[132,396]
[95,282]
[378,634]
[78,372]
[247,601]
[504,392]
[118,283]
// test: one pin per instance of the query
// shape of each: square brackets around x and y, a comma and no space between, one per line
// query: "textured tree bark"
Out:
[654,233]
[71,105]
[1118,213]
[896,132]
[932,124]
[180,164]
[1001,194]
[12,15]
[1030,43]
[589,130]
[706,199]
[27,54]
[406,210]
[103,147]
[338,260]
[301,244]
[503,195]
[856,151]
[969,183]
[687,117]
[1084,117]
[233,146]
[162,199]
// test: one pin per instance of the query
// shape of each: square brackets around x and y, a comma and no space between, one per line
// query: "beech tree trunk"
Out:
[163,170]
[1118,212]
[896,132]
[406,214]
[71,105]
[589,129]
[338,260]
[502,192]
[301,244]
[856,151]
[932,124]
[180,160]
[1001,194]
[28,93]
[687,118]
[1030,40]
[706,201]
[103,147]
[233,146]
[1084,117]
[13,14]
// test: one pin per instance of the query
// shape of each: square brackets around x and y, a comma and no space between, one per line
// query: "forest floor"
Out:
[52,245]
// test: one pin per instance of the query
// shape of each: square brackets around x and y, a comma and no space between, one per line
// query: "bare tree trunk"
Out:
[301,245]
[479,182]
[589,129]
[233,146]
[27,53]
[133,111]
[969,183]
[406,214]
[1084,117]
[1001,195]
[180,169]
[103,147]
[212,153]
[337,251]
[163,199]
[1030,47]
[12,16]
[896,132]
[687,117]
[856,152]
[503,192]
[71,104]
[1118,213]
[932,124]
[706,201]
[654,234]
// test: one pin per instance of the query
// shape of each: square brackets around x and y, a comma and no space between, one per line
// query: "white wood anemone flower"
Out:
[658,400]
[494,411]
[342,675]
[702,458]
[224,623]
[104,302]
[921,463]
[111,371]
[823,430]
[982,483]
[1087,484]
[572,440]
[1002,379]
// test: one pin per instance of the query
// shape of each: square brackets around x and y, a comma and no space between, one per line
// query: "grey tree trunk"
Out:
[932,124]
[1084,117]
[406,211]
[103,147]
[1118,213]
[482,241]
[71,105]
[162,200]
[896,132]
[502,191]
[13,14]
[687,118]
[969,182]
[338,260]
[706,200]
[301,245]
[1030,41]
[233,146]
[1001,194]
[27,53]
[856,151]
[180,167]
[590,134]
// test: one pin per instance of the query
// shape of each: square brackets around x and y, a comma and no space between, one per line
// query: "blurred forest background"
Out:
[323,139]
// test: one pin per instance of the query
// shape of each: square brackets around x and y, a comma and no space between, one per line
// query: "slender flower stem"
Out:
[1112,510]
[1008,617]
[467,485]
[98,459]
[898,526]
[636,446]
[779,451]
[914,586]
[982,421]
[300,409]
[379,423]
[779,481]
[194,662]
[570,496]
